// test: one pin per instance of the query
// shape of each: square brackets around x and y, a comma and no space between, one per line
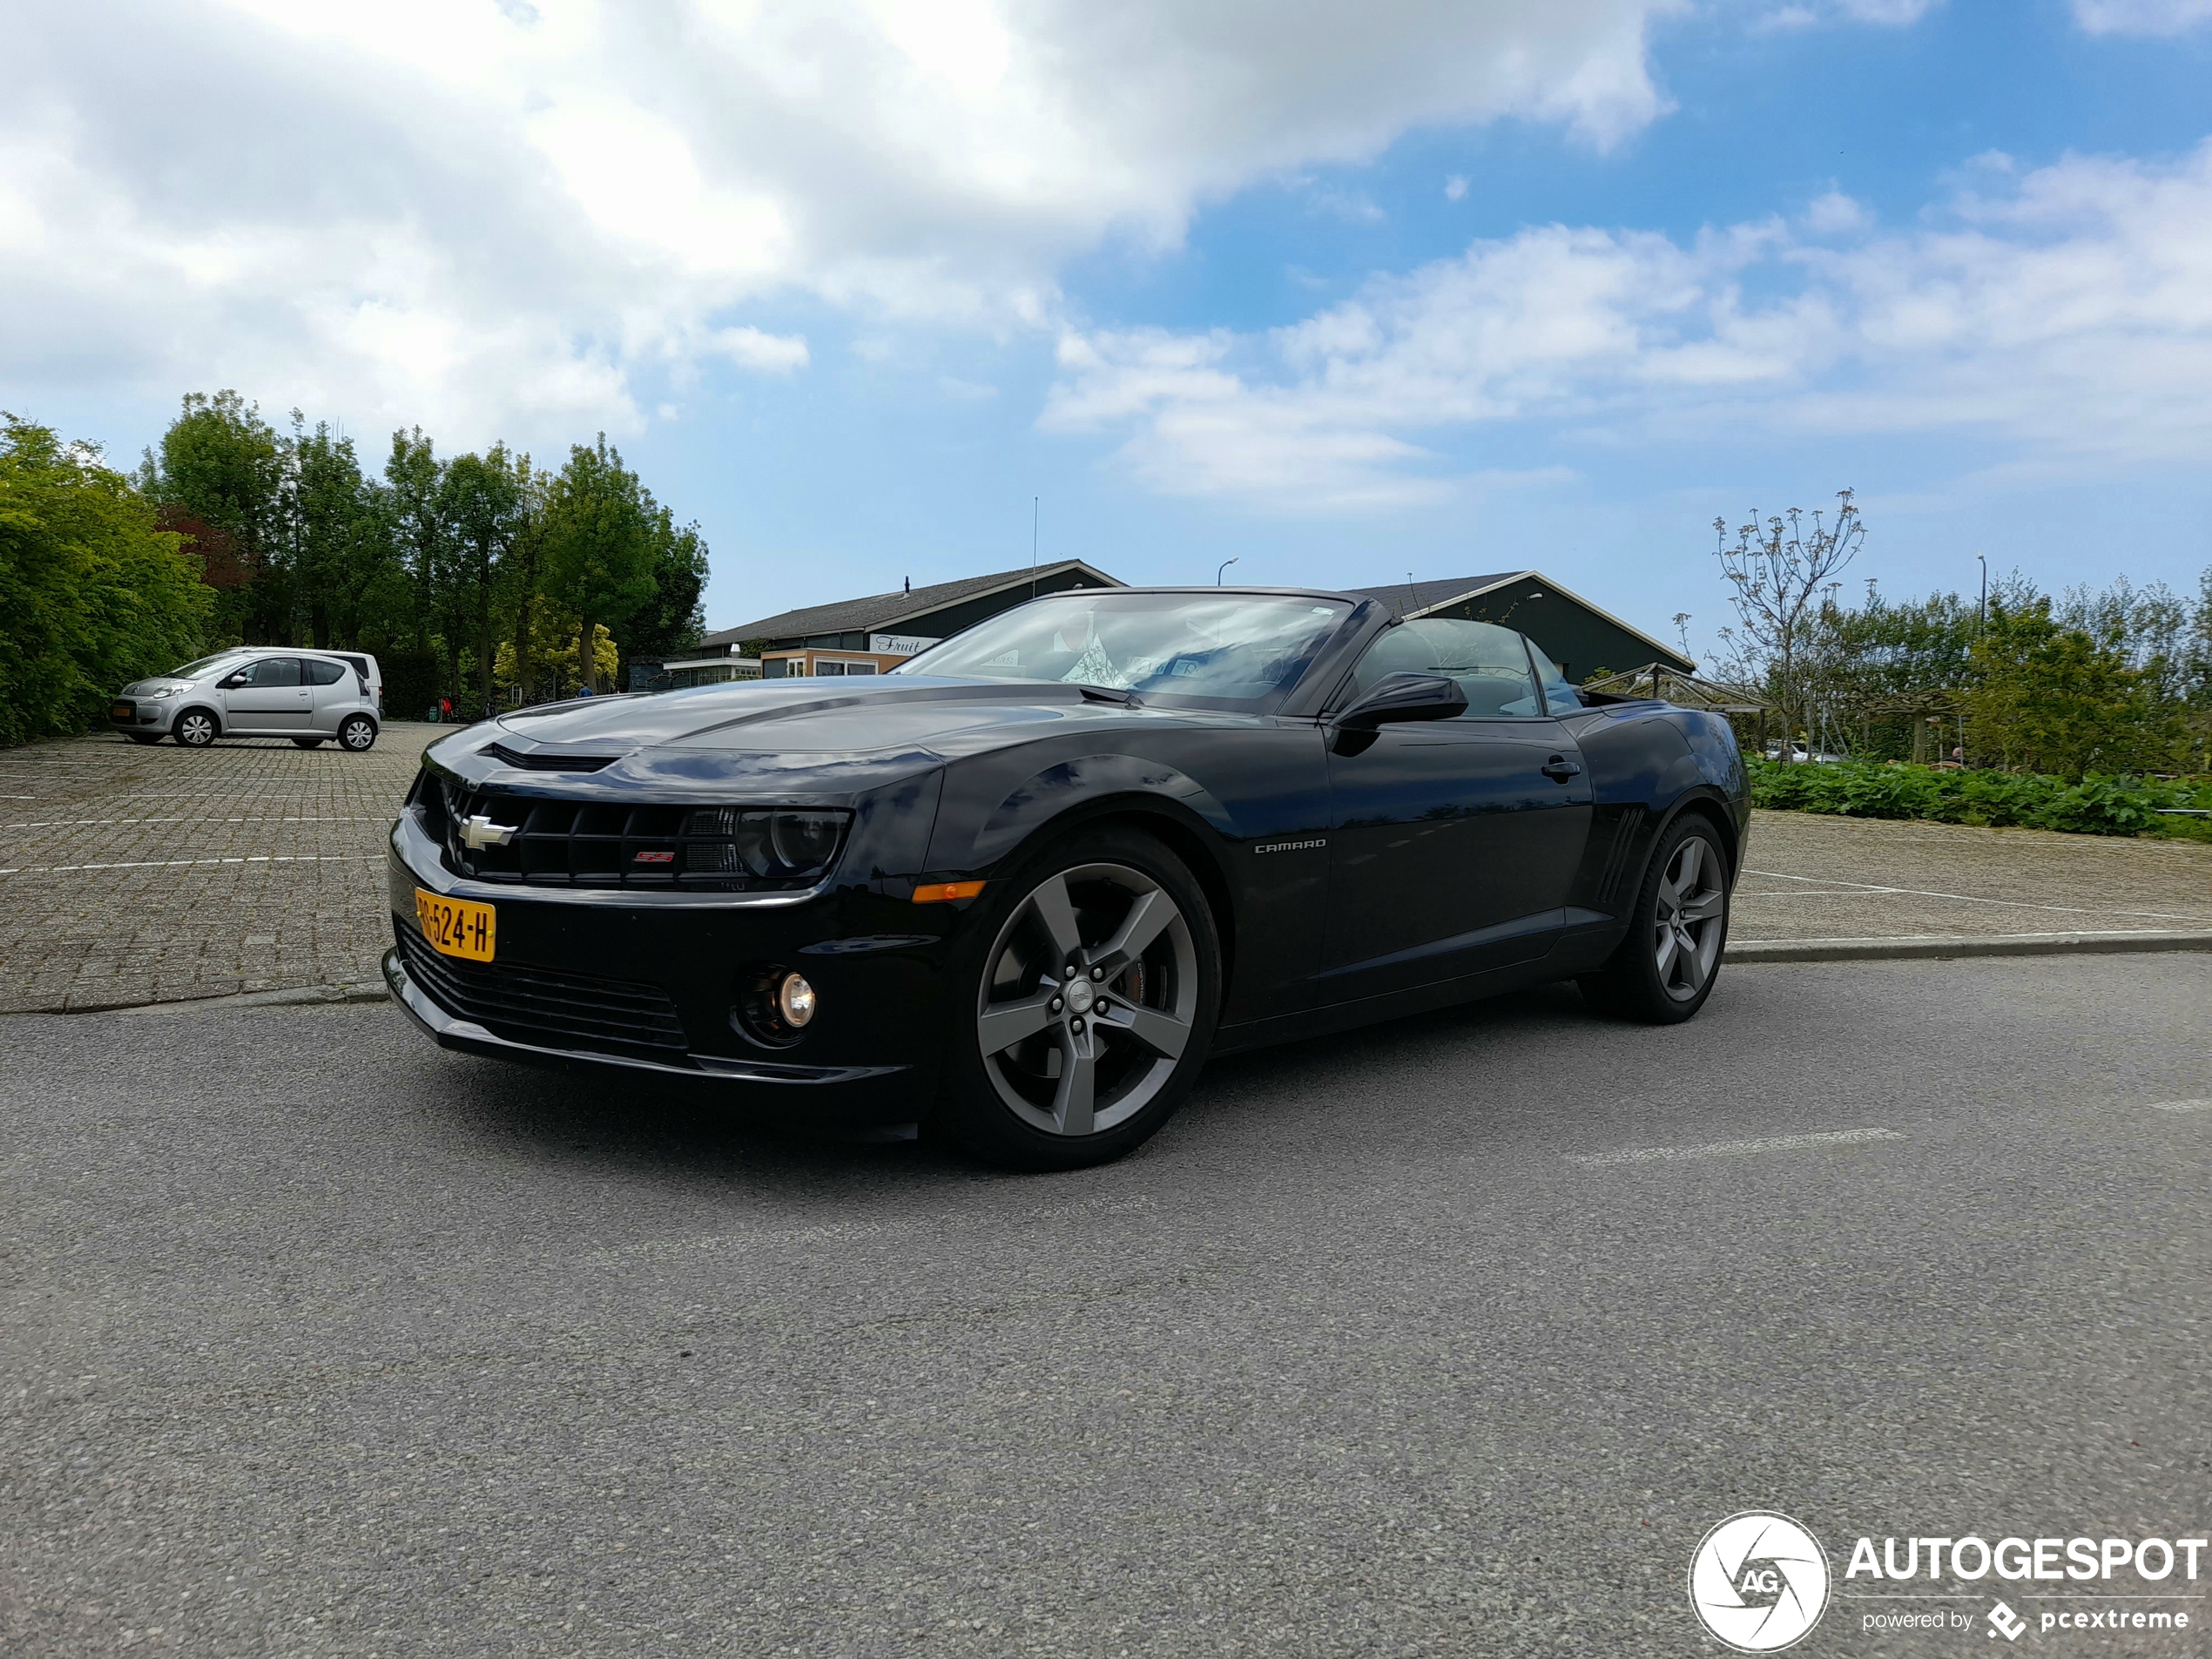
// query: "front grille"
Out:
[596,843]
[545,1009]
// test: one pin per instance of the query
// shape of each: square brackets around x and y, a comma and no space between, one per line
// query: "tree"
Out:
[340,533]
[486,504]
[93,595]
[220,464]
[420,534]
[598,541]
[1777,575]
[2051,698]
[673,619]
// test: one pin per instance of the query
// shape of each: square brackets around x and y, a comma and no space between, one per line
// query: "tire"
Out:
[307,742]
[1666,968]
[1082,1070]
[356,734]
[196,729]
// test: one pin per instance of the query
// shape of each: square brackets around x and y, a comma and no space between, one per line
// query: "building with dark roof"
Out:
[868,636]
[1582,639]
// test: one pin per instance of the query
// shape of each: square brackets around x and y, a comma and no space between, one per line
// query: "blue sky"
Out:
[1343,292]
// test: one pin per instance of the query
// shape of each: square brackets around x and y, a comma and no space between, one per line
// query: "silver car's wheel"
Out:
[1690,920]
[358,734]
[195,730]
[1088,998]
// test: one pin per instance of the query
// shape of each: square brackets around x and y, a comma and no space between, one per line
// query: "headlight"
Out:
[167,691]
[789,845]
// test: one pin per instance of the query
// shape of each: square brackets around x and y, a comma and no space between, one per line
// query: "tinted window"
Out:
[319,673]
[822,668]
[359,664]
[1489,661]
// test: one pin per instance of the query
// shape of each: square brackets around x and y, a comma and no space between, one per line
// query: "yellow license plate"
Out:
[457,926]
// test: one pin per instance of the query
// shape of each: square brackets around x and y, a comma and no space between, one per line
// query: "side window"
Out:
[1489,661]
[1559,695]
[271,671]
[322,674]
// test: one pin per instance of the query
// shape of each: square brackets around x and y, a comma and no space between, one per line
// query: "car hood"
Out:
[842,734]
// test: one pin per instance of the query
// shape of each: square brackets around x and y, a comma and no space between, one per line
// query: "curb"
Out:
[1922,946]
[306,995]
[1749,954]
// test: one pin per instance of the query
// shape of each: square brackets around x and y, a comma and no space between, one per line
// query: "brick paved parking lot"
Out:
[134,874]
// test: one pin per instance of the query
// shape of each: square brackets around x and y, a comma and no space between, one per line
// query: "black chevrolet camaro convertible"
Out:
[1021,888]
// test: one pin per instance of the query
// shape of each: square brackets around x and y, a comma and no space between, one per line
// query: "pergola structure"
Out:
[1683,690]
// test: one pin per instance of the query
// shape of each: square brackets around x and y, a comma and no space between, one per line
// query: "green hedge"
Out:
[2094,806]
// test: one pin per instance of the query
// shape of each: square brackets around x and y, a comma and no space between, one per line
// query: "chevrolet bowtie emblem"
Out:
[481,833]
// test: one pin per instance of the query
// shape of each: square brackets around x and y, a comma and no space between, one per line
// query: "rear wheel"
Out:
[358,734]
[195,729]
[1664,969]
[1090,984]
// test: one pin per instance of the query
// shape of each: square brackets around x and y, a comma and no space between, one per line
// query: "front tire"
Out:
[196,729]
[1087,991]
[1665,969]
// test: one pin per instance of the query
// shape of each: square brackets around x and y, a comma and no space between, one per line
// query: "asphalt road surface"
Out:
[318,1340]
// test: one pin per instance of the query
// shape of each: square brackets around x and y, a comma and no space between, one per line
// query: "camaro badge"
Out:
[481,833]
[1289,846]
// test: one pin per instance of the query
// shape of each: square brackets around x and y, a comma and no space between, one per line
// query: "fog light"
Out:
[795,999]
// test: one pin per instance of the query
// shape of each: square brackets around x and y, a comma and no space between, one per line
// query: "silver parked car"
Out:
[311,697]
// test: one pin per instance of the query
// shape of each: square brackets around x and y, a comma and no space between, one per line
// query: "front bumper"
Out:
[877,973]
[146,713]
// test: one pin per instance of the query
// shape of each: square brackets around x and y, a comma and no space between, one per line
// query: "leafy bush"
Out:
[2096,805]
[91,594]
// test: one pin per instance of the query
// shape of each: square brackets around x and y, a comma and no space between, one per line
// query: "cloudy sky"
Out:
[1343,291]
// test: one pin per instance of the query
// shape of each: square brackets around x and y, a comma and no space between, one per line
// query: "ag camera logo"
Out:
[1759,1581]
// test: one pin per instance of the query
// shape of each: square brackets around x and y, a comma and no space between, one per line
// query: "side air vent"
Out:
[1627,827]
[545,761]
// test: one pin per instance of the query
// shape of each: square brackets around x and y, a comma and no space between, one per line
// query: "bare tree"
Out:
[1777,574]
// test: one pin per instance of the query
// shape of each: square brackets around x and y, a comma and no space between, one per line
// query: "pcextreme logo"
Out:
[1759,1581]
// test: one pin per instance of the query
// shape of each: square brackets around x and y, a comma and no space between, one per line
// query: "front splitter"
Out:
[466,1037]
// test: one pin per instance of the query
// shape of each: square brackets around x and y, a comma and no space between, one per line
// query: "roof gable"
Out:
[882,610]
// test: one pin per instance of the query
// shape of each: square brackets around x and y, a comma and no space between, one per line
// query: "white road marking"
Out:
[104,823]
[169,864]
[1738,1149]
[2181,1105]
[1861,889]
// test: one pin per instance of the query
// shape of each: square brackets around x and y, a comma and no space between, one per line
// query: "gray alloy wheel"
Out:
[1089,997]
[358,734]
[195,729]
[1690,920]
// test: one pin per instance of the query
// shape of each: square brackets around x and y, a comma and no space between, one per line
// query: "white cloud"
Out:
[2142,17]
[472,212]
[1893,13]
[1455,187]
[2068,317]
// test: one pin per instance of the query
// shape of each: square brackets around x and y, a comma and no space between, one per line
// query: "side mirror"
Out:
[1405,697]
[1394,697]
[232,682]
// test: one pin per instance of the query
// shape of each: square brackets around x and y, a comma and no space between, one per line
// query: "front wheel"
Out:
[358,734]
[1664,969]
[1090,984]
[195,730]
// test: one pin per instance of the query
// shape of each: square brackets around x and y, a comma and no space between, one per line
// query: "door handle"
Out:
[1559,769]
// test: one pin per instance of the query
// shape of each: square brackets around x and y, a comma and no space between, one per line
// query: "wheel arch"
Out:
[1168,820]
[1709,804]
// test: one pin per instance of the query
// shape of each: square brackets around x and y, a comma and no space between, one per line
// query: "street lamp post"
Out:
[1217,575]
[1982,614]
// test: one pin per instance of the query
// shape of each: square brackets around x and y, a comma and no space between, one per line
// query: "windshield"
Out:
[194,670]
[1236,648]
